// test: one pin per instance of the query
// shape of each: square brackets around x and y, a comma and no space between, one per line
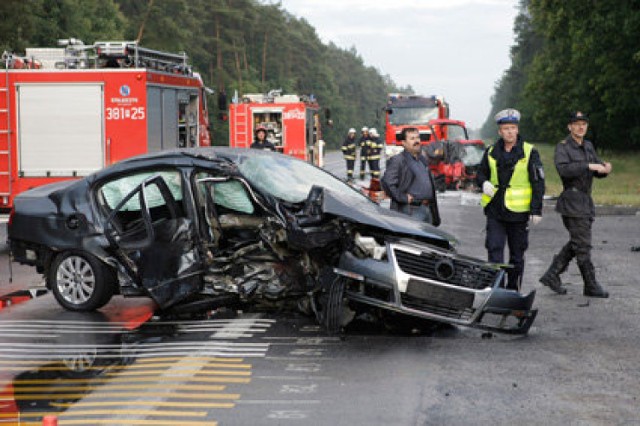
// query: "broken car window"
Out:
[113,192]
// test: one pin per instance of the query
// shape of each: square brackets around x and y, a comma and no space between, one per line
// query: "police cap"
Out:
[578,116]
[508,115]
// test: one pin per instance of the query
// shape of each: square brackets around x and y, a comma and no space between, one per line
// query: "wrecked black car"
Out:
[230,227]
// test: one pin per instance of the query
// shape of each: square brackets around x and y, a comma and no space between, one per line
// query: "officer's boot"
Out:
[551,278]
[591,286]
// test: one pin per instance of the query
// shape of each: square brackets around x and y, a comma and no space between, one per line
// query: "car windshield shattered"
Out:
[291,180]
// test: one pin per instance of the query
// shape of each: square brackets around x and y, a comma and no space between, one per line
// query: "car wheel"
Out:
[80,282]
[330,305]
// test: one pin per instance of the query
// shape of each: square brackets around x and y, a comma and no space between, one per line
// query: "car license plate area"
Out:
[438,295]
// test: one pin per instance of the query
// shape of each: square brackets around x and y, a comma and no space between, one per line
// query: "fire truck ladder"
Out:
[5,139]
[141,57]
[243,138]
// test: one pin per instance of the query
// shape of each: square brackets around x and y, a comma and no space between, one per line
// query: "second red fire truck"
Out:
[292,123]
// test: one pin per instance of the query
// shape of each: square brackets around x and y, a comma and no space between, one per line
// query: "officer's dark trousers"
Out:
[350,165]
[374,168]
[516,235]
[579,236]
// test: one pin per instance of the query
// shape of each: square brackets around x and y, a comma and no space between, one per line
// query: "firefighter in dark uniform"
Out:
[512,180]
[364,150]
[349,152]
[261,141]
[375,149]
[577,164]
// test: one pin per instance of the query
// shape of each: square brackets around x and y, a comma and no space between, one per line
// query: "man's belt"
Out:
[424,202]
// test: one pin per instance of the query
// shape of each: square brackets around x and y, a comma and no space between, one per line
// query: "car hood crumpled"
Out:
[372,214]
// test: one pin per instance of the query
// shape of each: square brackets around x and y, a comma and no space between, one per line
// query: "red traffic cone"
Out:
[50,420]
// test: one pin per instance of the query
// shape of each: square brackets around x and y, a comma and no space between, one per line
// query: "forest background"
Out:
[567,55]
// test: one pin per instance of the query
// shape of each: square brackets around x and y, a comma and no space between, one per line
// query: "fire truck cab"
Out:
[66,112]
[411,111]
[292,123]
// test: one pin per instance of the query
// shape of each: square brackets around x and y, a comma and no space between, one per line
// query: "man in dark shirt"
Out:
[512,180]
[577,164]
[409,183]
[261,141]
[349,152]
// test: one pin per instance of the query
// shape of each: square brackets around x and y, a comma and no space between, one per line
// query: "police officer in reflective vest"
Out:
[577,164]
[375,148]
[349,152]
[512,180]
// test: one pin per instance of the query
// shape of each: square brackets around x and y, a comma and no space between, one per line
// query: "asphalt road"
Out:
[578,364]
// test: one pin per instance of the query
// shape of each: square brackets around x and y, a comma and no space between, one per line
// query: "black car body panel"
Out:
[262,227]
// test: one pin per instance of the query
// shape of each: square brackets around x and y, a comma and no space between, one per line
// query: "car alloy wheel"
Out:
[76,280]
[80,282]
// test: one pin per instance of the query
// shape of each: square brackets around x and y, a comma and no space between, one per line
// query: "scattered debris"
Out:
[583,305]
[635,248]
[487,335]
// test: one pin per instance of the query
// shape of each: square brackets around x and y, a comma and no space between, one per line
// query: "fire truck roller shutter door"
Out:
[154,119]
[60,129]
[169,118]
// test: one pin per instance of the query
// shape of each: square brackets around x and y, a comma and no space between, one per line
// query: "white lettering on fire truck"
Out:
[124,100]
[125,113]
[294,114]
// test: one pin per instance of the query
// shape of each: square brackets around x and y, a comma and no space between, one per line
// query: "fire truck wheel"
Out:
[80,282]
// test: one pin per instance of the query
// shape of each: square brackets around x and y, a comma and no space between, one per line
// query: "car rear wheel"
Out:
[80,282]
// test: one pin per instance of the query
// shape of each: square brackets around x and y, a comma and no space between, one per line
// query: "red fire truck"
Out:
[66,112]
[453,157]
[292,123]
[411,111]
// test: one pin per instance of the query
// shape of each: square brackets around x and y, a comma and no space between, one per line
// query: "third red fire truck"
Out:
[292,123]
[411,111]
[66,112]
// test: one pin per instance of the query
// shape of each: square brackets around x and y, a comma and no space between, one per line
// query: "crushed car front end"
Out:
[424,281]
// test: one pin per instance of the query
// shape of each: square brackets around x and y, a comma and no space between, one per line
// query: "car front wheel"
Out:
[80,282]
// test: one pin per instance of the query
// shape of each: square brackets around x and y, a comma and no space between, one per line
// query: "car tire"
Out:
[80,282]
[333,308]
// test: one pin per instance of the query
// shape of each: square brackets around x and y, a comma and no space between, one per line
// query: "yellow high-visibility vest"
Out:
[517,197]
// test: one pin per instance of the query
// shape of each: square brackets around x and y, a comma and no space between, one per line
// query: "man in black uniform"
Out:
[261,141]
[364,151]
[577,164]
[512,180]
[375,149]
[349,152]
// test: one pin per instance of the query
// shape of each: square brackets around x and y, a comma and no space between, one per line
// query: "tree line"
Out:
[574,55]
[236,45]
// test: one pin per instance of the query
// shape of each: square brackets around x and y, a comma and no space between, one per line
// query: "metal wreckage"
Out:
[213,227]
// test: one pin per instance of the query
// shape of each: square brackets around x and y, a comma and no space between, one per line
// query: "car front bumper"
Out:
[430,283]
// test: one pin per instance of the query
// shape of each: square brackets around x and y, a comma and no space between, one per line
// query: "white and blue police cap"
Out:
[508,115]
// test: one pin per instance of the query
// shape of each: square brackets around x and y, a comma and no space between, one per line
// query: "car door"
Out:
[151,235]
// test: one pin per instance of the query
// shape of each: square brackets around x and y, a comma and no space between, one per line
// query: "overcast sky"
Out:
[454,48]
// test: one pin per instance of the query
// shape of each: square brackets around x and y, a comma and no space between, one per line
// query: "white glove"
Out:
[535,219]
[488,188]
